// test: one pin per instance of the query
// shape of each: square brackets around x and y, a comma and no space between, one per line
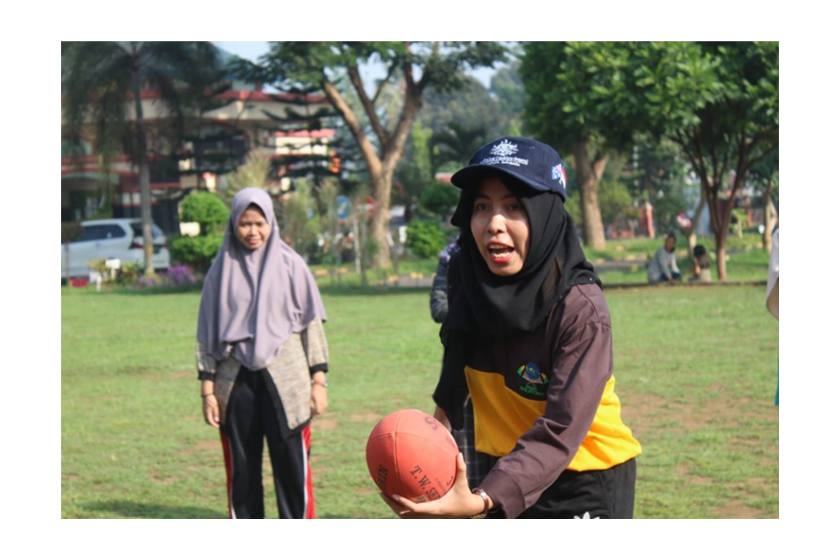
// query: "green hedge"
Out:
[425,239]
[205,208]
[196,251]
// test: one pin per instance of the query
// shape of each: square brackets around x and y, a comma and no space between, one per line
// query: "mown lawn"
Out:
[746,262]
[695,369]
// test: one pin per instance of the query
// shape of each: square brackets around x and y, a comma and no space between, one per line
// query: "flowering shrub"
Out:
[179,276]
[148,281]
[174,277]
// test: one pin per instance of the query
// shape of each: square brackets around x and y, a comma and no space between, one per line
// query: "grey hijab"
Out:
[254,299]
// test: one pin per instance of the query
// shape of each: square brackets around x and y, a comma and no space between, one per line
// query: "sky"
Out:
[253,49]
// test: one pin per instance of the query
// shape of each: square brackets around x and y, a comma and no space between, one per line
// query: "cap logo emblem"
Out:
[502,153]
[504,149]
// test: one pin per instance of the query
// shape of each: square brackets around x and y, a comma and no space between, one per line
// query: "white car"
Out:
[117,238]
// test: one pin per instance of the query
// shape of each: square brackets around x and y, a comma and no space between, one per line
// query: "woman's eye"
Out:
[480,206]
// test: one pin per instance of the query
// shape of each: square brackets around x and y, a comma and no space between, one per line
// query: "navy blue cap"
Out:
[533,163]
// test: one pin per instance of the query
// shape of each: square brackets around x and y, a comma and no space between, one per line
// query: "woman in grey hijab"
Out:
[262,359]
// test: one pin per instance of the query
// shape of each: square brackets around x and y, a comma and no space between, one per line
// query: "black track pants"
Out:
[251,418]
[606,494]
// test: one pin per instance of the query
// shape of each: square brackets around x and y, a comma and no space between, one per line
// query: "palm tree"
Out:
[456,143]
[100,80]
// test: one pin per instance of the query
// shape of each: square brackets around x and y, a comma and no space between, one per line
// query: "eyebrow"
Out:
[482,195]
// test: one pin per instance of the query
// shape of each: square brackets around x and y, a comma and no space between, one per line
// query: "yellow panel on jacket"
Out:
[502,416]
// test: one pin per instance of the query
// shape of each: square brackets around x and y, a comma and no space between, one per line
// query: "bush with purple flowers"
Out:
[179,275]
[148,281]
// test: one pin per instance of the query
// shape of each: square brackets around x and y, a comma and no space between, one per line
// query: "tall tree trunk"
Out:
[720,214]
[380,165]
[392,152]
[588,178]
[145,187]
[720,252]
[381,219]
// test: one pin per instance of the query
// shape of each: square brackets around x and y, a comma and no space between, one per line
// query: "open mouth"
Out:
[499,253]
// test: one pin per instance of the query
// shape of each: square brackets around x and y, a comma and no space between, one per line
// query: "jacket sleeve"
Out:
[315,346]
[205,363]
[773,278]
[438,299]
[582,365]
[451,391]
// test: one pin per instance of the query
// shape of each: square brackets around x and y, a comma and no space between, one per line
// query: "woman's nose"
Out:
[497,223]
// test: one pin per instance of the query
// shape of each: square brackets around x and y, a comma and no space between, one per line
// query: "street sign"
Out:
[368,207]
[342,207]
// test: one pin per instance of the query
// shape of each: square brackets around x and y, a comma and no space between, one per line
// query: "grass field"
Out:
[695,369]
[746,262]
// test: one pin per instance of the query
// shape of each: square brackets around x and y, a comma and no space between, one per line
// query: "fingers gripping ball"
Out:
[411,454]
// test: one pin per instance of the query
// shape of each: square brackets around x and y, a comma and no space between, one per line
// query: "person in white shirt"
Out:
[663,267]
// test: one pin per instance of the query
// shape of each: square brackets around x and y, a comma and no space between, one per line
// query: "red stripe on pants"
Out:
[228,471]
[310,497]
[306,434]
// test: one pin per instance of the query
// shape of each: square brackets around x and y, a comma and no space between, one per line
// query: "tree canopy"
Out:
[101,83]
[581,99]
[720,103]
[717,101]
[380,135]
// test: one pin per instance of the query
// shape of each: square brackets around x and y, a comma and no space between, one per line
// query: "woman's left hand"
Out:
[318,396]
[458,502]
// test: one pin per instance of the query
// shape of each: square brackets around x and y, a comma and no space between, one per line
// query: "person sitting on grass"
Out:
[663,267]
[702,266]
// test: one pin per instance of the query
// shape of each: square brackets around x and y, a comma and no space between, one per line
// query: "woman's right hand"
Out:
[458,502]
[211,410]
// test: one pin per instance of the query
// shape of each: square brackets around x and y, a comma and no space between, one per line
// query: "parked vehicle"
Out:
[117,238]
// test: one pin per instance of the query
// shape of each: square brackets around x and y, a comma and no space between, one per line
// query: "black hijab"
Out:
[482,303]
[502,305]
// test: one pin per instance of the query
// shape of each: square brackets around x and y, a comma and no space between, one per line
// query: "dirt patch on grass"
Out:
[202,447]
[366,490]
[160,479]
[684,472]
[705,432]
[646,411]
[366,418]
[737,510]
[157,375]
[325,421]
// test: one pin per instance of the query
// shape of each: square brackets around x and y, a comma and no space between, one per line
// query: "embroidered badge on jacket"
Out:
[532,381]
